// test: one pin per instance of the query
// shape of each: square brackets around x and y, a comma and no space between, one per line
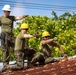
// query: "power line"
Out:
[39,6]
[36,4]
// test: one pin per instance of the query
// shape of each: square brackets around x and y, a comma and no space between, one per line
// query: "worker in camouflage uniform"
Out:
[46,48]
[22,50]
[7,38]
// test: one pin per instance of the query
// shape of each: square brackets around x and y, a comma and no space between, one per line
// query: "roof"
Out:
[63,67]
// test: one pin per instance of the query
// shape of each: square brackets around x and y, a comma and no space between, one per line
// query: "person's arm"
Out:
[61,49]
[21,17]
[46,41]
[49,40]
[28,36]
[31,35]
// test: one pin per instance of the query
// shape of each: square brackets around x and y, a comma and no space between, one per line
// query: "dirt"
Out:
[63,67]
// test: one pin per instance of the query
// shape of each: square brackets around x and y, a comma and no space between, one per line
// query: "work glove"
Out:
[36,35]
[55,39]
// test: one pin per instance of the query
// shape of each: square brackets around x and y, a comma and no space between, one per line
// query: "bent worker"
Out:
[46,48]
[7,37]
[22,50]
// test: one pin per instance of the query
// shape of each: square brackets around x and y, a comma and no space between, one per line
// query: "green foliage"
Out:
[62,27]
[0,54]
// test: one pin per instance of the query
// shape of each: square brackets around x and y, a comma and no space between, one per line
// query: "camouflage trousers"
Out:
[41,59]
[20,56]
[6,42]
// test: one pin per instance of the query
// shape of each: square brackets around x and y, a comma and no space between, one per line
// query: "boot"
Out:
[15,68]
[36,64]
[6,69]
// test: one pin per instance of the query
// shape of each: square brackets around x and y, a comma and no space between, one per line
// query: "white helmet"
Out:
[6,8]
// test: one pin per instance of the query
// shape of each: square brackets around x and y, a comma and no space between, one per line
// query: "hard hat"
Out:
[6,8]
[24,26]
[45,33]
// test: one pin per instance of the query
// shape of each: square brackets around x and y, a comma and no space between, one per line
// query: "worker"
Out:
[46,49]
[7,36]
[22,50]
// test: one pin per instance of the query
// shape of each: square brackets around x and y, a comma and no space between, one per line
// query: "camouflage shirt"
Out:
[47,48]
[6,23]
[20,42]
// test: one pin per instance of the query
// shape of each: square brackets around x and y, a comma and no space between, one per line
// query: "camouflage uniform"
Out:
[7,38]
[45,55]
[21,51]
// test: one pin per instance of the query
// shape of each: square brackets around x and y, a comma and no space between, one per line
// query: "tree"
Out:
[64,29]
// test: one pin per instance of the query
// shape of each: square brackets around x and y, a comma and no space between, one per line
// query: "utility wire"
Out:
[34,4]
[38,6]
[41,5]
[45,5]
[29,7]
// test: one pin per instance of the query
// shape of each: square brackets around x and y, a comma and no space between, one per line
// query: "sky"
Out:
[22,11]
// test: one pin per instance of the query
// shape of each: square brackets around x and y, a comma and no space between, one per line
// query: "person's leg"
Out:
[12,43]
[30,55]
[19,57]
[38,58]
[5,53]
[49,60]
[5,50]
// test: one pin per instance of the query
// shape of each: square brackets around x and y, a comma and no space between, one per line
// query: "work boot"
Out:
[15,68]
[36,64]
[5,67]
[12,67]
[8,70]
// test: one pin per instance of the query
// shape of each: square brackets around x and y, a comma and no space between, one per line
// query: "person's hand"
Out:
[25,16]
[36,35]
[32,49]
[65,55]
[55,39]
